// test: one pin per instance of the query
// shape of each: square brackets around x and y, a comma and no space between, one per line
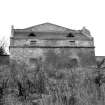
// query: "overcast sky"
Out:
[73,14]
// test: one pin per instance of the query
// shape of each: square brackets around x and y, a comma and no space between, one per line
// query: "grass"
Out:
[19,85]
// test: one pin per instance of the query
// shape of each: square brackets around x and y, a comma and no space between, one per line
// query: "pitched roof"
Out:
[53,28]
[48,27]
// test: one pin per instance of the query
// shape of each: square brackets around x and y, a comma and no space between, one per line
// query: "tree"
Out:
[2,47]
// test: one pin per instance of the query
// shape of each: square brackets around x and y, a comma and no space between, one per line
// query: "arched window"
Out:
[32,34]
[70,35]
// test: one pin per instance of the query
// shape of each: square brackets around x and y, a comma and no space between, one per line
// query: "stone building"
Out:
[54,45]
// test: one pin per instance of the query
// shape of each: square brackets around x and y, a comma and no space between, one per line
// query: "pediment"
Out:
[48,27]
[53,28]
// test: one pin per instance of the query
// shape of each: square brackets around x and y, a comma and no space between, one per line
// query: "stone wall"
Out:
[56,43]
[55,56]
[59,52]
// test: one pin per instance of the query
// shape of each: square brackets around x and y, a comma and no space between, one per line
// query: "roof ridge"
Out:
[47,23]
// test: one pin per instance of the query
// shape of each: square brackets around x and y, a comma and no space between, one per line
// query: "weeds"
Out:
[21,86]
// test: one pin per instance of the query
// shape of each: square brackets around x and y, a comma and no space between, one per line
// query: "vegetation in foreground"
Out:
[21,85]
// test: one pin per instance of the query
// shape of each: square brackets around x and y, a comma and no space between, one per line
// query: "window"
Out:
[70,35]
[32,34]
[32,42]
[73,62]
[72,41]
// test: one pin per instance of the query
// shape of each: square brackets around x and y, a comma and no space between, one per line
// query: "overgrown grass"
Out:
[20,85]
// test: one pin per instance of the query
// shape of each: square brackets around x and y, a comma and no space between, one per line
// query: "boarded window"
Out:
[33,63]
[33,60]
[72,63]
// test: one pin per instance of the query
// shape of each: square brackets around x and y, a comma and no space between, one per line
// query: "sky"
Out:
[73,14]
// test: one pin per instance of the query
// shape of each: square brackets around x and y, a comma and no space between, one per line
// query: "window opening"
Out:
[70,35]
[33,42]
[32,34]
